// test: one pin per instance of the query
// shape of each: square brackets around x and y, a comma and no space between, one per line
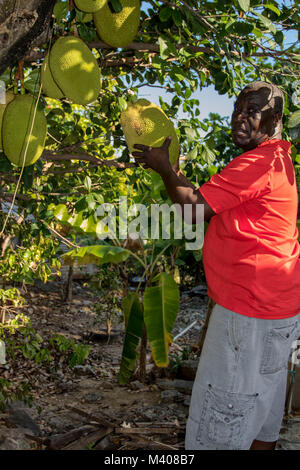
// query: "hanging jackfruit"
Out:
[145,123]
[18,133]
[75,70]
[9,96]
[118,29]
[89,6]
[50,88]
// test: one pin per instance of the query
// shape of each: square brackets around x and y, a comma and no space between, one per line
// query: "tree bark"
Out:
[24,24]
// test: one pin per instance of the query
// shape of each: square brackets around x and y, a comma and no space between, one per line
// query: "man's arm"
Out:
[179,188]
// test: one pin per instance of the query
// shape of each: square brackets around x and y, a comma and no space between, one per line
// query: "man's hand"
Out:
[155,158]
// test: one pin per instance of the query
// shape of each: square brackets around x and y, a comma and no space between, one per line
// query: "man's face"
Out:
[253,120]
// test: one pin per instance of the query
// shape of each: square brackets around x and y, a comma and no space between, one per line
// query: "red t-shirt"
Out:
[251,252]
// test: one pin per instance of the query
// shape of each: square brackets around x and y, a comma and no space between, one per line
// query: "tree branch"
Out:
[87,158]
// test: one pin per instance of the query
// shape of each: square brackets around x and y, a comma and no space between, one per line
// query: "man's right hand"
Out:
[155,158]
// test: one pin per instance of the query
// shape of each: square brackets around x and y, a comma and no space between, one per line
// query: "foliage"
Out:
[182,47]
[22,341]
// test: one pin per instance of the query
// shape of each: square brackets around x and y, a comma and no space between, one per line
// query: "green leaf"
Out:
[122,104]
[97,254]
[177,17]
[192,154]
[161,305]
[207,154]
[190,133]
[115,6]
[272,8]
[165,13]
[244,4]
[163,48]
[87,183]
[61,10]
[133,313]
[267,23]
[32,83]
[242,28]
[294,119]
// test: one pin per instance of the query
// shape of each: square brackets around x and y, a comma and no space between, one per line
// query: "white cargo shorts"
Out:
[240,385]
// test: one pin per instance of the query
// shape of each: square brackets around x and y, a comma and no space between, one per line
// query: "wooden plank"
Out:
[149,430]
[92,438]
[58,442]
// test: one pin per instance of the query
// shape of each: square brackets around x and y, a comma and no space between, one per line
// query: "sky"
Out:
[210,100]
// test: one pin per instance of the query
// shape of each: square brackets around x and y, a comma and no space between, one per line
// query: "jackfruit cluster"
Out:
[71,70]
[145,123]
[23,131]
[118,29]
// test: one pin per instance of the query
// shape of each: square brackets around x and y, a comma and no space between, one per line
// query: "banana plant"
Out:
[149,315]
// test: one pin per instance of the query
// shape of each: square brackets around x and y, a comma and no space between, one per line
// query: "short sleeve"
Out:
[245,177]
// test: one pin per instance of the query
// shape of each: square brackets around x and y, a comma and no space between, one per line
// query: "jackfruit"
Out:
[9,96]
[118,29]
[75,70]
[49,86]
[145,123]
[89,6]
[16,127]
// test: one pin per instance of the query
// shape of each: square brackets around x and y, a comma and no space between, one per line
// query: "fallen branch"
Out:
[58,442]
[148,430]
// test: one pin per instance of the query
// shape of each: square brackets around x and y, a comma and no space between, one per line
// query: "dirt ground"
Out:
[84,407]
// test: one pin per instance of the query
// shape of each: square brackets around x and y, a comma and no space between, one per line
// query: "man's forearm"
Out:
[182,191]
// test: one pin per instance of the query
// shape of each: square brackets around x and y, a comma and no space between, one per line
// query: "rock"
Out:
[184,386]
[107,386]
[188,369]
[197,291]
[105,444]
[83,370]
[92,398]
[168,396]
[187,401]
[136,385]
[14,439]
[64,387]
[18,414]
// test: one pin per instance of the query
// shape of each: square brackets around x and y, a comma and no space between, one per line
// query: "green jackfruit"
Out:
[8,98]
[118,29]
[146,123]
[75,70]
[49,86]
[16,127]
[89,6]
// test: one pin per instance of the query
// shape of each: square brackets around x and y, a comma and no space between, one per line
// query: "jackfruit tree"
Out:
[84,96]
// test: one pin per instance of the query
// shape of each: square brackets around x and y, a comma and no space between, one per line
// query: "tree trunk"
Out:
[24,24]
[69,292]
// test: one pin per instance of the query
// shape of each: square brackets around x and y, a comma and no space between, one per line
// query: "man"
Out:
[252,268]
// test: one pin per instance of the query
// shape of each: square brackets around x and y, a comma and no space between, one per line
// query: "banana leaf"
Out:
[161,305]
[96,254]
[133,311]
[77,222]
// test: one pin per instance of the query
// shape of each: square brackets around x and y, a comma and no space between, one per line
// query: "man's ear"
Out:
[277,123]
[277,118]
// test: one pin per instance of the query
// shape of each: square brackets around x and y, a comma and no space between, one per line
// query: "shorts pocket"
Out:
[277,348]
[224,418]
